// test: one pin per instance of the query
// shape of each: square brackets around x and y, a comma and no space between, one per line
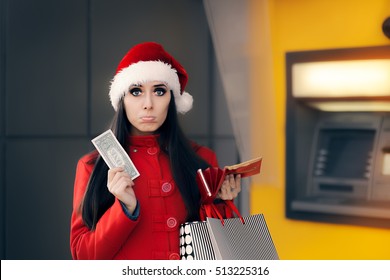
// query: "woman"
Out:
[115,217]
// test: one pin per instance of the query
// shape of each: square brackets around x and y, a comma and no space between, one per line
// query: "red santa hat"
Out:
[150,62]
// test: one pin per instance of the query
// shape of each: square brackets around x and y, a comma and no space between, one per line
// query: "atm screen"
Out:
[344,153]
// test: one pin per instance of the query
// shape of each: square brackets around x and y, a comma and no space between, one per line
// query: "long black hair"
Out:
[183,159]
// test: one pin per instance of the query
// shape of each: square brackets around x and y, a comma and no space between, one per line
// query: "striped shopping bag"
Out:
[243,238]
[195,242]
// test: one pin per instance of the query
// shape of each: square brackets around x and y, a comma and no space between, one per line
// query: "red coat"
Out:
[155,234]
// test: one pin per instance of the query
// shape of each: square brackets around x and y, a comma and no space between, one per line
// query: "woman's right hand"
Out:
[121,185]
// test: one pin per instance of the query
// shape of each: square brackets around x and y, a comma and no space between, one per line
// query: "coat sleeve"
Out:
[111,231]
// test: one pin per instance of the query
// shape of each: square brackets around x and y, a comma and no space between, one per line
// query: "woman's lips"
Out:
[148,119]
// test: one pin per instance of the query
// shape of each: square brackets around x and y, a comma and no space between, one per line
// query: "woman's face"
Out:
[146,106]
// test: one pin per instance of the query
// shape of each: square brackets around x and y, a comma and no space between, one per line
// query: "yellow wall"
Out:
[278,26]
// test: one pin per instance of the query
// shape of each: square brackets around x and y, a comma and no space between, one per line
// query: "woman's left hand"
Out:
[230,187]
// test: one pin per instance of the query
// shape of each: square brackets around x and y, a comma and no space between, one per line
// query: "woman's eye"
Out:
[135,91]
[160,91]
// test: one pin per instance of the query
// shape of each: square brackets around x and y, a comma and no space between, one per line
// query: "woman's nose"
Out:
[148,101]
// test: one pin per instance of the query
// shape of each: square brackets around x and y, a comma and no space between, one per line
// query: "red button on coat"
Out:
[174,256]
[171,222]
[152,151]
[166,187]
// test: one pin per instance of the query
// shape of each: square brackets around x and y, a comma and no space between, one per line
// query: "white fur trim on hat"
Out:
[145,71]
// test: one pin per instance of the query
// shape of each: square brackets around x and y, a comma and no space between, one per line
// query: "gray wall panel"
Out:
[226,151]
[2,118]
[58,58]
[2,65]
[40,176]
[2,200]
[46,67]
[221,117]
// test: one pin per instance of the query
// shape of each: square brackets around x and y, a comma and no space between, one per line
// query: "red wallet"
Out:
[211,179]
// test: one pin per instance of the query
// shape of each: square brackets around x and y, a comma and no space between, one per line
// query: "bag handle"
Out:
[233,207]
[212,211]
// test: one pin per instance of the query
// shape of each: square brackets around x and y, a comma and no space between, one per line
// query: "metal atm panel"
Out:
[337,162]
[346,158]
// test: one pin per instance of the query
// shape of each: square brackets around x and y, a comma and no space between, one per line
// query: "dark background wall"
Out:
[57,59]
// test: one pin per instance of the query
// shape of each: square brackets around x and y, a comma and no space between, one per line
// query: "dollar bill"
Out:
[113,153]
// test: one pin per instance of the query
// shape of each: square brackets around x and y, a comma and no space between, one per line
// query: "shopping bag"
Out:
[195,242]
[222,236]
[234,240]
[242,238]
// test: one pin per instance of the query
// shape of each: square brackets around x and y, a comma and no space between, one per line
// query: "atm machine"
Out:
[338,136]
